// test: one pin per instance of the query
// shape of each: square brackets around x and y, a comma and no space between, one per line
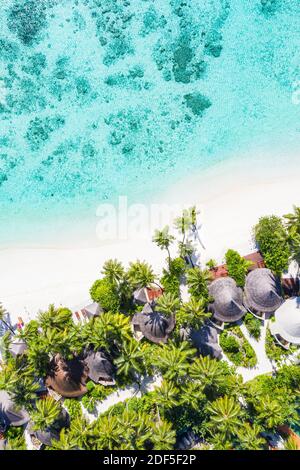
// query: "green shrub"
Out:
[105,293]
[96,394]
[273,350]
[230,344]
[73,406]
[253,325]
[237,267]
[15,438]
[271,236]
[237,348]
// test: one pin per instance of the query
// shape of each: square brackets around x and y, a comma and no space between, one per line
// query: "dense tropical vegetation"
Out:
[192,392]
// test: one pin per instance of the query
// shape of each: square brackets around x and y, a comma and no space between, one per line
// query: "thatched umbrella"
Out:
[287,321]
[153,325]
[10,413]
[67,377]
[262,291]
[228,300]
[100,368]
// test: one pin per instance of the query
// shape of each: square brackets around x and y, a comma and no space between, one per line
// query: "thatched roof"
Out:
[52,433]
[100,368]
[287,321]
[145,295]
[262,291]
[10,414]
[140,296]
[228,300]
[153,325]
[93,310]
[206,341]
[67,377]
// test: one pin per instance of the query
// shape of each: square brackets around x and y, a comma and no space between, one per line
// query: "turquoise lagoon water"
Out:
[101,98]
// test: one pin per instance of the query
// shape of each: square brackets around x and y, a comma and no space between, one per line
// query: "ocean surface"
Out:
[101,98]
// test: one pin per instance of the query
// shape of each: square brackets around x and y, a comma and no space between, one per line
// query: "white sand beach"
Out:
[230,198]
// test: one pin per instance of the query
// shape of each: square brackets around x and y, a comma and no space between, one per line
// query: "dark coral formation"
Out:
[197,103]
[152,21]
[113,19]
[40,130]
[181,57]
[92,108]
[26,19]
[269,7]
[133,80]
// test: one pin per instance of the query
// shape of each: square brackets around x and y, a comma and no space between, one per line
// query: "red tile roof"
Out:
[256,258]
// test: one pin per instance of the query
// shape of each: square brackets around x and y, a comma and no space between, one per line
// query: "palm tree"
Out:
[183,223]
[193,215]
[221,441]
[192,395]
[140,274]
[55,318]
[186,250]
[130,361]
[3,314]
[163,240]
[293,219]
[78,432]
[193,313]
[225,415]
[65,442]
[173,361]
[136,429]
[168,303]
[197,282]
[163,436]
[107,331]
[269,412]
[249,437]
[104,434]
[46,413]
[8,377]
[165,396]
[25,389]
[208,372]
[114,271]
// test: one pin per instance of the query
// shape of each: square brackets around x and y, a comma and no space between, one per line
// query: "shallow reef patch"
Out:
[27,19]
[40,130]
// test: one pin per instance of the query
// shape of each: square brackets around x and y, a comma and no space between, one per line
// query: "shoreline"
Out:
[230,199]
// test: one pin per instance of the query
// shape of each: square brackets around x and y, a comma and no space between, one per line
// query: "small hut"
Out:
[152,325]
[286,327]
[227,306]
[206,341]
[52,433]
[92,310]
[67,377]
[145,295]
[101,370]
[10,413]
[262,293]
